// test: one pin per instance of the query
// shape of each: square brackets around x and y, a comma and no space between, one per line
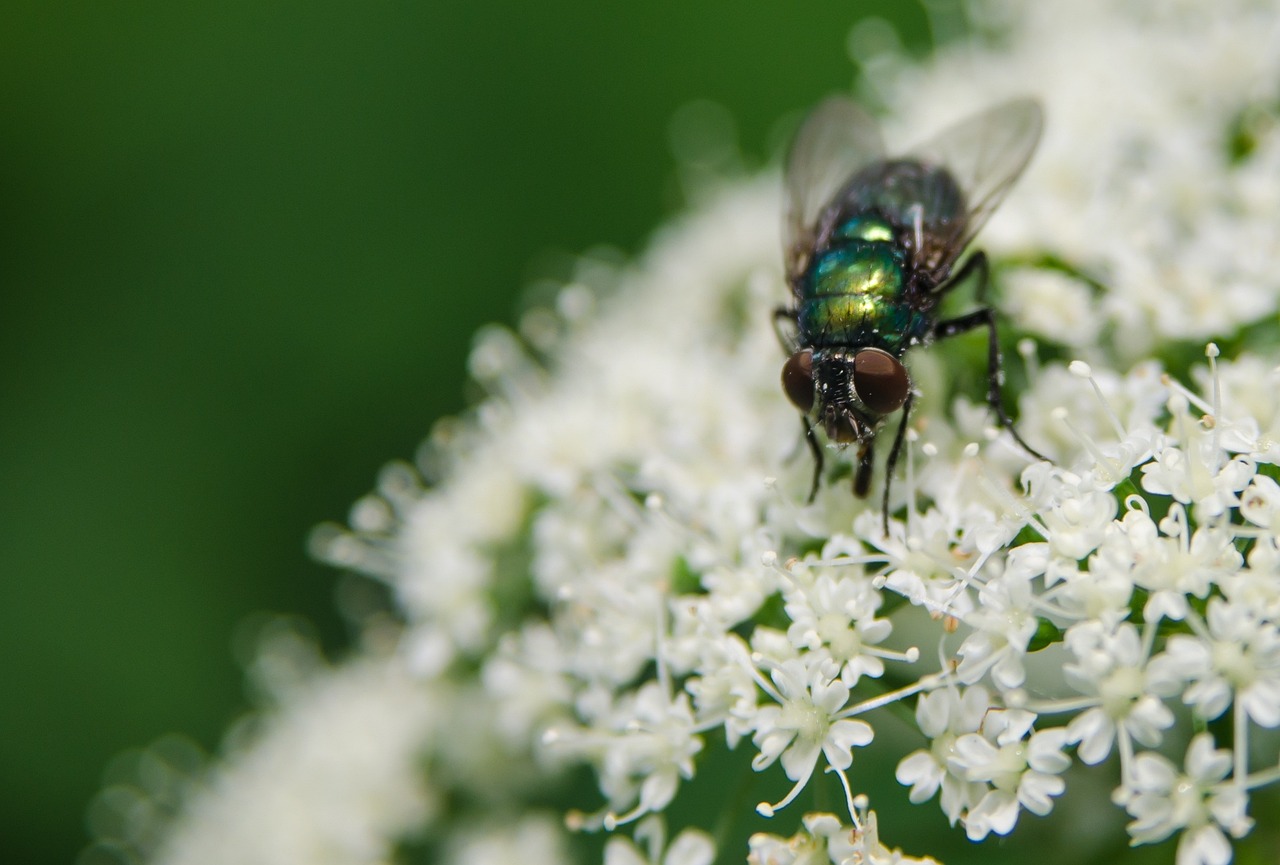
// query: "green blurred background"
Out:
[245,246]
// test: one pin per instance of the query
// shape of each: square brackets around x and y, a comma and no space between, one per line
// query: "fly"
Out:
[871,245]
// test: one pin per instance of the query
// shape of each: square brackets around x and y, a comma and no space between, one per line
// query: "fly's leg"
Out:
[816,450]
[985,317]
[892,462]
[780,314]
[977,264]
[862,478]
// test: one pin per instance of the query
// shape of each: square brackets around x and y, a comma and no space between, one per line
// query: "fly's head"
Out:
[851,389]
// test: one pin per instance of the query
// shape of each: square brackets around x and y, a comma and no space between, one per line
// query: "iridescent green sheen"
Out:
[853,295]
[867,227]
[870,270]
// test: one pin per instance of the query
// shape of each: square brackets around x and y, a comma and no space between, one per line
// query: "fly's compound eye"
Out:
[879,380]
[797,379]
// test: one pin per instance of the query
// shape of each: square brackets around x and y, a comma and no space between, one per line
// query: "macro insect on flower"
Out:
[871,243]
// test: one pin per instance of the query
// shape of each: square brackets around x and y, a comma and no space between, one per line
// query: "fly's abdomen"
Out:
[853,295]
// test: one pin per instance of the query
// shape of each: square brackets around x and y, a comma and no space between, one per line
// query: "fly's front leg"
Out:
[780,314]
[866,462]
[816,450]
[985,317]
[893,460]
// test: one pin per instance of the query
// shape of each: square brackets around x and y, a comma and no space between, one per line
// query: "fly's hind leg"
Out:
[985,317]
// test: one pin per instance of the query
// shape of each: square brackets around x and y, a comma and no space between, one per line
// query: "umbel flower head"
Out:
[613,565]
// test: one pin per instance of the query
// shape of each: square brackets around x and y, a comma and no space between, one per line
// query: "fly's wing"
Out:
[836,140]
[984,154]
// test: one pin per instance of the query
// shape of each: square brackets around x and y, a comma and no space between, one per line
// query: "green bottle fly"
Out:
[871,248]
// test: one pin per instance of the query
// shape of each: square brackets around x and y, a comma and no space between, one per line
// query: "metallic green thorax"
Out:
[854,291]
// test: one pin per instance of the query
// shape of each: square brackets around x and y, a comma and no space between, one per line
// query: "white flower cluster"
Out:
[329,775]
[617,564]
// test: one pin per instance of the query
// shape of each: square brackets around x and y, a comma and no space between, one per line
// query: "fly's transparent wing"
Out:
[984,154]
[836,140]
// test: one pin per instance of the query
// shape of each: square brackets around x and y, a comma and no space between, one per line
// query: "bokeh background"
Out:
[244,247]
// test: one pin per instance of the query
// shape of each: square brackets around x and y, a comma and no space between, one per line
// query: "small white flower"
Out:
[1260,502]
[1239,659]
[805,725]
[824,840]
[1078,520]
[643,745]
[658,747]
[725,688]
[817,843]
[1018,771]
[1195,802]
[800,849]
[690,847]
[1257,587]
[1169,561]
[945,715]
[1102,590]
[836,618]
[1004,622]
[926,565]
[1248,387]
[1198,472]
[1111,666]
